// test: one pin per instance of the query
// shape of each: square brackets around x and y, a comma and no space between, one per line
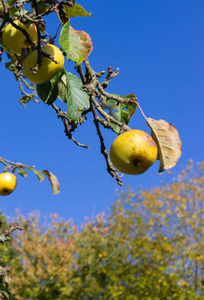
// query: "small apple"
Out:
[133,152]
[7,183]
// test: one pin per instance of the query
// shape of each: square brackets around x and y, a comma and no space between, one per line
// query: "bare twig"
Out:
[109,118]
[63,117]
[6,235]
[110,168]
[110,74]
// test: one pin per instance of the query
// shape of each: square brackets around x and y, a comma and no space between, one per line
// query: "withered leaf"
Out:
[168,142]
[53,180]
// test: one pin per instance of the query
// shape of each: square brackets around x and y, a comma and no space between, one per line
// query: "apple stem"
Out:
[141,111]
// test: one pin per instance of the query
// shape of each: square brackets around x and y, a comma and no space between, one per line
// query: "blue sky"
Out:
[158,47]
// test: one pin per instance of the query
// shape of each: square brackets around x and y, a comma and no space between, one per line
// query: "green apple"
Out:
[133,152]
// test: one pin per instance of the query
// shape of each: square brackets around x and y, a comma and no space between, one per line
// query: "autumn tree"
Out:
[7,252]
[149,246]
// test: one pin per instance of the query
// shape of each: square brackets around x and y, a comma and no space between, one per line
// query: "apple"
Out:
[14,40]
[133,152]
[7,183]
[48,68]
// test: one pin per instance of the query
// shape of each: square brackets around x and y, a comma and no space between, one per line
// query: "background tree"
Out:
[6,231]
[149,246]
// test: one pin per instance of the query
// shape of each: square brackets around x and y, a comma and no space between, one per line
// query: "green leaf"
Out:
[10,65]
[53,180]
[5,294]
[12,1]
[36,172]
[13,11]
[76,11]
[22,172]
[48,91]
[120,111]
[64,38]
[77,99]
[63,89]
[76,44]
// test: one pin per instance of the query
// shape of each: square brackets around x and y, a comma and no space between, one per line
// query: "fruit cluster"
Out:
[52,58]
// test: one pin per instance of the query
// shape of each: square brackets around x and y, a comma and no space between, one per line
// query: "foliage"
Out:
[7,253]
[149,246]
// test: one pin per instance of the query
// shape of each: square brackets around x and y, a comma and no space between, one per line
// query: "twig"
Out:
[81,73]
[6,235]
[111,170]
[109,118]
[110,74]
[63,117]
[116,98]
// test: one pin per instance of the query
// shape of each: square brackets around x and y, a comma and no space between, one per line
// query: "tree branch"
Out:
[110,168]
[67,130]
[6,235]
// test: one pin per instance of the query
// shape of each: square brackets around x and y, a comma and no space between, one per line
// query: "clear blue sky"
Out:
[159,49]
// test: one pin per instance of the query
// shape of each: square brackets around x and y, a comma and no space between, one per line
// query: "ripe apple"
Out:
[133,152]
[48,68]
[7,183]
[14,40]
[32,31]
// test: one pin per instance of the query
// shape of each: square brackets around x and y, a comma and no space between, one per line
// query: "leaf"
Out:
[13,11]
[64,38]
[48,91]
[76,44]
[44,93]
[22,172]
[168,142]
[120,111]
[53,180]
[76,11]
[10,65]
[36,172]
[5,294]
[63,88]
[12,1]
[77,99]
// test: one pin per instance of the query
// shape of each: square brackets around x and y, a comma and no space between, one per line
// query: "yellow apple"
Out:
[32,31]
[14,40]
[7,183]
[133,152]
[48,68]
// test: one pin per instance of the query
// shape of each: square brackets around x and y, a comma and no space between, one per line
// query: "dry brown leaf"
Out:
[168,142]
[53,180]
